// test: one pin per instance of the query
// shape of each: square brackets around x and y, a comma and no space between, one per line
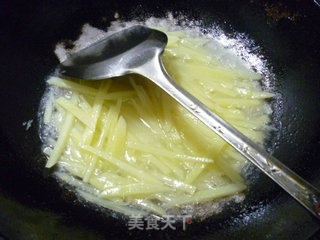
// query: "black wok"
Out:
[34,206]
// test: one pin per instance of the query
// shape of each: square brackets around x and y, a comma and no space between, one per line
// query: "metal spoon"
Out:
[138,50]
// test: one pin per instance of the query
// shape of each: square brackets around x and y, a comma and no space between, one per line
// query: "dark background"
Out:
[34,206]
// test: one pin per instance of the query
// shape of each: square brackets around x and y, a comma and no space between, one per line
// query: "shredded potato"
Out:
[136,146]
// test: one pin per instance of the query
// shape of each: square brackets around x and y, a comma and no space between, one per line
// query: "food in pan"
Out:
[127,145]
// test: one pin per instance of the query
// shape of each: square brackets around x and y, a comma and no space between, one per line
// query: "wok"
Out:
[33,205]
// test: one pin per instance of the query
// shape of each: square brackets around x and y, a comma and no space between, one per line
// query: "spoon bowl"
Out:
[117,55]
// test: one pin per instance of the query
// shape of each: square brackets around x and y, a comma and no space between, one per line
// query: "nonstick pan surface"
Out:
[34,206]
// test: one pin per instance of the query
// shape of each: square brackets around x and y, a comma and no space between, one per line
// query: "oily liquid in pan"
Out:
[179,165]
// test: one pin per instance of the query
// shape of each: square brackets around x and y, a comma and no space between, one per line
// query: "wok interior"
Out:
[291,48]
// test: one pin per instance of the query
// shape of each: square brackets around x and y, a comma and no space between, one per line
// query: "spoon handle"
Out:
[296,186]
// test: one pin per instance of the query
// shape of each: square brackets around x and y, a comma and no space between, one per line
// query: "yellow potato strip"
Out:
[120,207]
[195,172]
[145,117]
[83,116]
[131,170]
[71,85]
[98,102]
[83,103]
[207,195]
[229,171]
[149,206]
[112,120]
[166,153]
[118,95]
[143,97]
[162,197]
[107,180]
[96,109]
[176,183]
[116,145]
[61,142]
[104,129]
[136,189]
[158,164]
[174,166]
